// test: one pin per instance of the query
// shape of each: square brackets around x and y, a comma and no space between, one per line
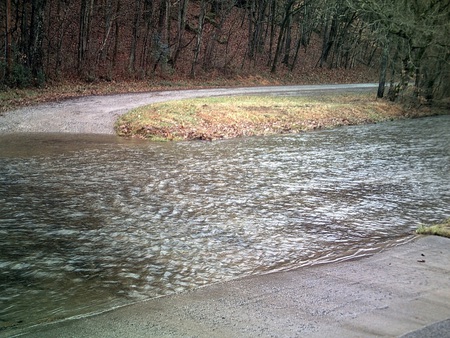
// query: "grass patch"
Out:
[227,117]
[442,229]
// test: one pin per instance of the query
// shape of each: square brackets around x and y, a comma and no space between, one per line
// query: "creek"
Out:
[92,222]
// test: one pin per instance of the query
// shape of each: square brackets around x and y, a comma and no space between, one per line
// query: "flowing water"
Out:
[88,223]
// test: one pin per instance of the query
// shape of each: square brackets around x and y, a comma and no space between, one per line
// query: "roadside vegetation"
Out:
[442,229]
[228,117]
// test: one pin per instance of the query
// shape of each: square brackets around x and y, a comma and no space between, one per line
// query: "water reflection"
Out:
[91,222]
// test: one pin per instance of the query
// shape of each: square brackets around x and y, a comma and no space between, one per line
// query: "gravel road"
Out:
[97,114]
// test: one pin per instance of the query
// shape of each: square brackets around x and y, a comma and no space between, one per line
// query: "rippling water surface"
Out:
[89,223]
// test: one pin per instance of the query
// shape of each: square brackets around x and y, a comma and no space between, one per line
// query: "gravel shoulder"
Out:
[97,114]
[404,290]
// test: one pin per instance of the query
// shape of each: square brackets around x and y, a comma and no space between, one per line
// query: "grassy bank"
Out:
[442,229]
[227,117]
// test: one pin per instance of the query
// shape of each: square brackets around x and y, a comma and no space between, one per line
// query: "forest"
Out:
[406,41]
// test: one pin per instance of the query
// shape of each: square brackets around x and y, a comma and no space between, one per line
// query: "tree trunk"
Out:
[134,38]
[9,58]
[36,39]
[273,9]
[59,40]
[148,18]
[330,35]
[84,33]
[383,69]
[161,38]
[251,30]
[110,17]
[281,35]
[297,49]
[287,42]
[182,11]
[198,43]
[116,37]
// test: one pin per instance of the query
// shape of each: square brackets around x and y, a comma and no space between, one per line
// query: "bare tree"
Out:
[9,57]
[199,36]
[84,33]
[135,35]
[181,27]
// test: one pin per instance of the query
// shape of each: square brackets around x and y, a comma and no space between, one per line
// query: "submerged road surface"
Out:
[97,114]
[390,294]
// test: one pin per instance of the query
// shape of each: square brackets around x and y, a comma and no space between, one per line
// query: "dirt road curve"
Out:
[97,114]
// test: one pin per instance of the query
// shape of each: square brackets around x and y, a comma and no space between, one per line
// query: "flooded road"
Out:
[90,222]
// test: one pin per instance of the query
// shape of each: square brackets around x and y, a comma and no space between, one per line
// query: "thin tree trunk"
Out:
[110,17]
[328,40]
[281,35]
[163,24]
[181,27]
[198,43]
[9,58]
[383,70]
[116,37]
[273,9]
[297,49]
[134,40]
[37,38]
[59,41]
[161,39]
[84,34]
[148,17]
[251,41]
[287,42]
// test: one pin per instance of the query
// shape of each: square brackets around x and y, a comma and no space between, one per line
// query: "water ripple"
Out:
[114,222]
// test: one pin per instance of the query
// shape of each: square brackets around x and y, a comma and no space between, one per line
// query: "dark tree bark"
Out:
[330,31]
[287,41]
[272,20]
[161,38]
[110,17]
[281,36]
[84,33]
[198,43]
[383,70]
[135,36]
[182,12]
[257,18]
[116,36]
[36,39]
[148,20]
[9,57]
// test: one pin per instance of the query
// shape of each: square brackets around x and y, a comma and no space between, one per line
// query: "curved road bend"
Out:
[97,114]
